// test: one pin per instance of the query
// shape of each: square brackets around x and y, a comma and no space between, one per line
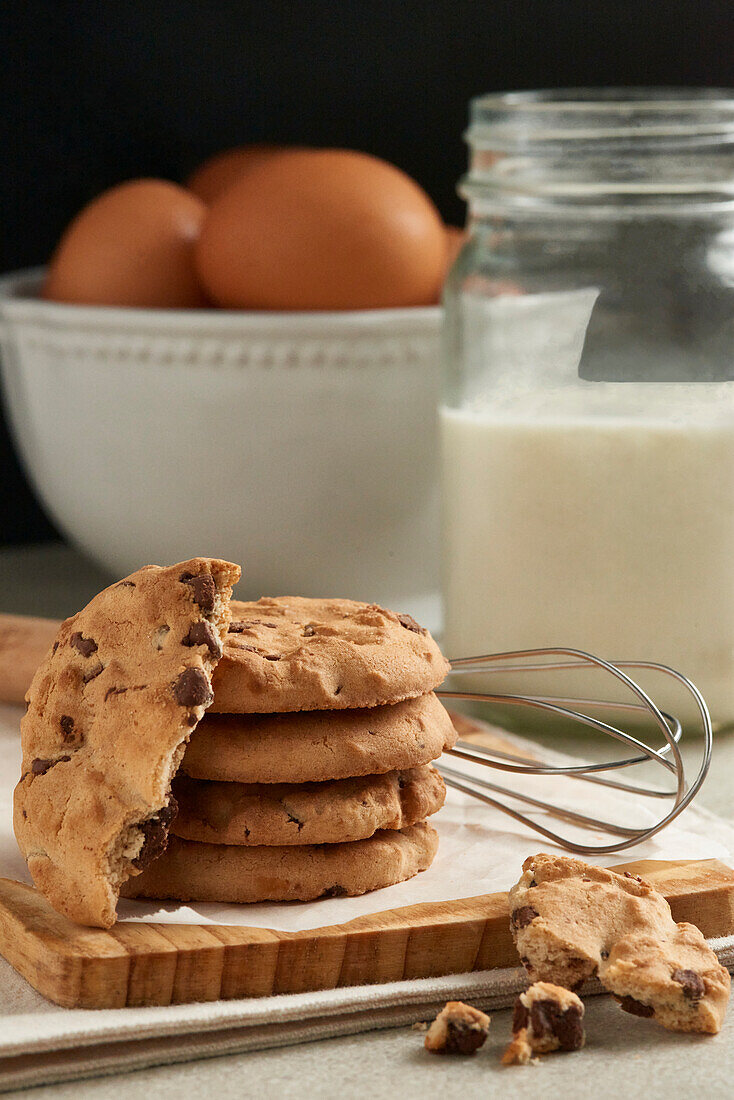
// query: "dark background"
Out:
[96,92]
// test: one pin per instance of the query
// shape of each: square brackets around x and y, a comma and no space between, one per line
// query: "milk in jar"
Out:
[587,416]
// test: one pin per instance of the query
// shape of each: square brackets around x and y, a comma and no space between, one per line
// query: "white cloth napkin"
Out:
[41,1043]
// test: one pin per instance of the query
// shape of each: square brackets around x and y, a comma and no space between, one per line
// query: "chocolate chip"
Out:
[54,647]
[523,916]
[125,584]
[636,1008]
[40,767]
[541,1018]
[236,627]
[203,633]
[249,648]
[86,646]
[67,727]
[604,953]
[548,1018]
[570,1029]
[334,892]
[192,688]
[272,656]
[114,691]
[463,1038]
[520,1017]
[337,690]
[155,834]
[308,632]
[92,673]
[204,589]
[410,624]
[693,984]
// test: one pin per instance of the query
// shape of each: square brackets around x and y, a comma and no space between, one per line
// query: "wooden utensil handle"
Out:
[24,642]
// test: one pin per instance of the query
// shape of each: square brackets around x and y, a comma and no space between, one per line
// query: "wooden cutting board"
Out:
[161,964]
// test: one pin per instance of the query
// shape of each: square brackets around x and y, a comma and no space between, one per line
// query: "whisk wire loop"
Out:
[666,755]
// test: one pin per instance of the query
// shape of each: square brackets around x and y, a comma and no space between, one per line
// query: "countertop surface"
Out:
[625,1056]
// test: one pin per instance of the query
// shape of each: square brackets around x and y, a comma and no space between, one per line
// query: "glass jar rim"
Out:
[621,151]
[573,114]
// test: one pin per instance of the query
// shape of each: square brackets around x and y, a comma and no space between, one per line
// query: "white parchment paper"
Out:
[481,850]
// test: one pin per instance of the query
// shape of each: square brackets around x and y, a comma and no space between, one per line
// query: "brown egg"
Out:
[322,229]
[131,246]
[214,176]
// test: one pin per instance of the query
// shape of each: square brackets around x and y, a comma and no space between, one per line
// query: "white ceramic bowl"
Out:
[301,445]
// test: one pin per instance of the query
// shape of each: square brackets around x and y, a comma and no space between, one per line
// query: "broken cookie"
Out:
[110,711]
[458,1029]
[547,1017]
[572,921]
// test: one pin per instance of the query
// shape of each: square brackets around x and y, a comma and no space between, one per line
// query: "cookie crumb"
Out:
[458,1029]
[519,1051]
[546,1018]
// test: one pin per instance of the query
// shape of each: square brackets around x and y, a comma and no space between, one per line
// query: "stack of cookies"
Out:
[313,777]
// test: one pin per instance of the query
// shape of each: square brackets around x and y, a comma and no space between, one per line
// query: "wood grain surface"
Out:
[24,642]
[148,964]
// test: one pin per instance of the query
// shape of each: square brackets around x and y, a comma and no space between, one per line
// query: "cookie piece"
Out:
[190,871]
[547,1017]
[316,745]
[305,813]
[109,713]
[571,921]
[292,653]
[677,979]
[458,1029]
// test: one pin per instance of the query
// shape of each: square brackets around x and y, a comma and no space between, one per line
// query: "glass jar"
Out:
[588,414]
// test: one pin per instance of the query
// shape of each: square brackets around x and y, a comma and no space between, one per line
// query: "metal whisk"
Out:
[667,755]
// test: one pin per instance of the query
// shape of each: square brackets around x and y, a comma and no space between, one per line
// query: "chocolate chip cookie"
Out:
[109,713]
[571,921]
[292,653]
[191,871]
[305,813]
[547,1017]
[318,745]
